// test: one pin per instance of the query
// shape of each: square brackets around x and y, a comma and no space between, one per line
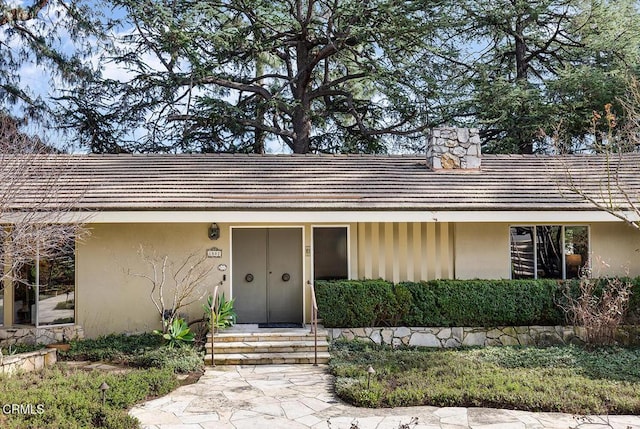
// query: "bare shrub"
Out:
[39,218]
[174,284]
[599,306]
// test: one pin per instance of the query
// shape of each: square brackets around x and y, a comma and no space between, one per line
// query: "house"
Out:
[269,224]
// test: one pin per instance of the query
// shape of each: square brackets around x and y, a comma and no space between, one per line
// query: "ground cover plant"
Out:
[143,350]
[62,398]
[19,348]
[555,379]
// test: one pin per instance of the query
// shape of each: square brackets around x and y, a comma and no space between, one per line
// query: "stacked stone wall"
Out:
[26,362]
[42,335]
[457,337]
[454,148]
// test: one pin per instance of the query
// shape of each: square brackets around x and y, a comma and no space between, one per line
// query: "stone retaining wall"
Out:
[42,335]
[31,361]
[456,337]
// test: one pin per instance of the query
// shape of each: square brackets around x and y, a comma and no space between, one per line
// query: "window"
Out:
[44,290]
[549,251]
[576,250]
[2,281]
[330,259]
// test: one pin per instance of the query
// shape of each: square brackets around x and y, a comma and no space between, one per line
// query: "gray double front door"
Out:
[267,275]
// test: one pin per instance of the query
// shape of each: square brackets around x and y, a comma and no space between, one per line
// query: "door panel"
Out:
[267,254]
[249,257]
[284,296]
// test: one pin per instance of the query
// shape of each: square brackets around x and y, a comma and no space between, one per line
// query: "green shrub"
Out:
[356,303]
[487,302]
[181,360]
[451,302]
[20,348]
[114,347]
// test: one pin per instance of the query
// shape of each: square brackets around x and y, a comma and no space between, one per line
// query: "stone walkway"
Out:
[301,396]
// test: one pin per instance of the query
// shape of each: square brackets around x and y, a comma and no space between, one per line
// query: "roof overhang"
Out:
[337,216]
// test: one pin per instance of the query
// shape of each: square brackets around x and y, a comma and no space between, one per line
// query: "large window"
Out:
[44,290]
[330,259]
[549,251]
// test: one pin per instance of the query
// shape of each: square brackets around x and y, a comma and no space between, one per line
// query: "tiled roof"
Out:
[331,182]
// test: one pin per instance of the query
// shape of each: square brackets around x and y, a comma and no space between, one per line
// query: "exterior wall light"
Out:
[214,231]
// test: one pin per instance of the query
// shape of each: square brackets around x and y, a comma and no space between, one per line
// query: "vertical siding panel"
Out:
[376,250]
[429,241]
[368,250]
[406,247]
[437,260]
[396,252]
[353,251]
[452,249]
[387,260]
[444,251]
[416,255]
[363,254]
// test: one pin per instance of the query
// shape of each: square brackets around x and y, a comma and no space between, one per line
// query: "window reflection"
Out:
[576,246]
[557,251]
[330,253]
[51,284]
[549,252]
[522,253]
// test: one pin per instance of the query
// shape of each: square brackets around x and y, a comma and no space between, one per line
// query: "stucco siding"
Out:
[615,249]
[110,298]
[482,250]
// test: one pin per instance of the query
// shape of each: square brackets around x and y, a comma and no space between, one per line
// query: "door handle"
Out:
[249,278]
[286,277]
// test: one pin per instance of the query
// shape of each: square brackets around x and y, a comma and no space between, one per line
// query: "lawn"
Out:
[60,397]
[557,379]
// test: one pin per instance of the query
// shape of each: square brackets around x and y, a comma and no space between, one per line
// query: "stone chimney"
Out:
[452,148]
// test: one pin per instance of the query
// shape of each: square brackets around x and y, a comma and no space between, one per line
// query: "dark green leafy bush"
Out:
[356,303]
[449,302]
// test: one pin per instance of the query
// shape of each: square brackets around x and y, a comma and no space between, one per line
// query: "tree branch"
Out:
[23,14]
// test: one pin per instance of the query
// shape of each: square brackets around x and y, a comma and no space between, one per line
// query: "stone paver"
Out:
[301,397]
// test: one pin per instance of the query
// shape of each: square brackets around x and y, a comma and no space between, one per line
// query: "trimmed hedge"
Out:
[353,303]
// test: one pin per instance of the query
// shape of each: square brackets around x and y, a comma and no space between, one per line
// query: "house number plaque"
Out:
[214,252]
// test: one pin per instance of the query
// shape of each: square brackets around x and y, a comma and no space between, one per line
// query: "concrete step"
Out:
[267,346]
[245,337]
[267,358]
[250,345]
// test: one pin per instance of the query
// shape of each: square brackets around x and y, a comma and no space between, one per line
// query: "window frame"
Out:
[9,305]
[535,246]
[312,248]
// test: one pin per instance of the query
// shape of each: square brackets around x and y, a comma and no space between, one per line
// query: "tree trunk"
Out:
[302,128]
[302,111]
[525,140]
